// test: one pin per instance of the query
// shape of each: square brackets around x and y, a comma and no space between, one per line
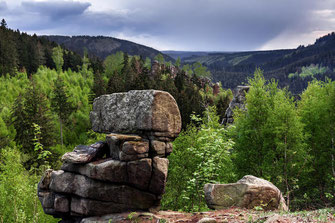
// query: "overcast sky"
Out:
[197,25]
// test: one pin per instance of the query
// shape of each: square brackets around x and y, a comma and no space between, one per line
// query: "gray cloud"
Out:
[56,10]
[186,24]
[3,6]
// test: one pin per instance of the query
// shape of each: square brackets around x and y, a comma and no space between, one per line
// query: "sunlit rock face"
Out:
[127,171]
[248,192]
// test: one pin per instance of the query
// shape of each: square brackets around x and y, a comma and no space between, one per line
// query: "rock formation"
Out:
[248,192]
[237,102]
[128,171]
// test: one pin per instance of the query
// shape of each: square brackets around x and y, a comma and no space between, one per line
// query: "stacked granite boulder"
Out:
[128,171]
[237,102]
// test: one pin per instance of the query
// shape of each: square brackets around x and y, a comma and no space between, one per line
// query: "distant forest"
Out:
[25,53]
[232,69]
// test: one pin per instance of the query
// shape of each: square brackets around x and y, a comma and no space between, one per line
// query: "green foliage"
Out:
[61,105]
[113,64]
[178,62]
[309,71]
[200,71]
[201,155]
[18,199]
[316,109]
[269,136]
[10,88]
[160,58]
[57,57]
[32,108]
[77,88]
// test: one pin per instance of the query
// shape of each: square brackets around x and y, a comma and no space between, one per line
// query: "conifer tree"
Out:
[8,53]
[60,104]
[29,109]
[99,85]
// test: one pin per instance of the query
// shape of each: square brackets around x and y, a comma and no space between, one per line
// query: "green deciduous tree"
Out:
[200,155]
[113,63]
[57,57]
[269,136]
[317,108]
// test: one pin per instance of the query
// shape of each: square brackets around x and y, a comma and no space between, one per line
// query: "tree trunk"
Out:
[61,132]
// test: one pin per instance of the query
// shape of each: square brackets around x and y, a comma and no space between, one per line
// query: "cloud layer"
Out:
[216,25]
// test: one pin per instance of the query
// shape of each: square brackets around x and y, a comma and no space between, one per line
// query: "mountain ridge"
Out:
[234,68]
[103,46]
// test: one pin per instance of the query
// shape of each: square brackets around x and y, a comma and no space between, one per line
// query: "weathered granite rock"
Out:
[127,172]
[45,180]
[248,192]
[157,148]
[88,207]
[237,102]
[105,169]
[61,203]
[79,185]
[127,147]
[207,220]
[168,148]
[133,147]
[85,154]
[135,112]
[139,173]
[160,170]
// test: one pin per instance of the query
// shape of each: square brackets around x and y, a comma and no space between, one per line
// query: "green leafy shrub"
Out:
[201,155]
[18,191]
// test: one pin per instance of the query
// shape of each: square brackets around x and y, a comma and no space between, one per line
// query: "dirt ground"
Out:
[231,215]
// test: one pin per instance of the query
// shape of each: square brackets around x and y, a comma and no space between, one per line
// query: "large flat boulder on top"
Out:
[248,192]
[136,111]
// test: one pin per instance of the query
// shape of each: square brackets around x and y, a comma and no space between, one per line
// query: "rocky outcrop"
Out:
[237,102]
[248,192]
[139,112]
[216,88]
[128,171]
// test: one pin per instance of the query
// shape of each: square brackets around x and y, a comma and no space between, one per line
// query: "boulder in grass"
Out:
[249,192]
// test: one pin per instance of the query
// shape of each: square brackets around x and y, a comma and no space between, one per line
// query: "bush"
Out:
[18,191]
[201,155]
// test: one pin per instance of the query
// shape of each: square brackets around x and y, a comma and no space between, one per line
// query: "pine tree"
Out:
[29,109]
[60,104]
[3,24]
[99,85]
[8,53]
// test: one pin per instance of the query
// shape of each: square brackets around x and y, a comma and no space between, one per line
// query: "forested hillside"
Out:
[102,46]
[307,62]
